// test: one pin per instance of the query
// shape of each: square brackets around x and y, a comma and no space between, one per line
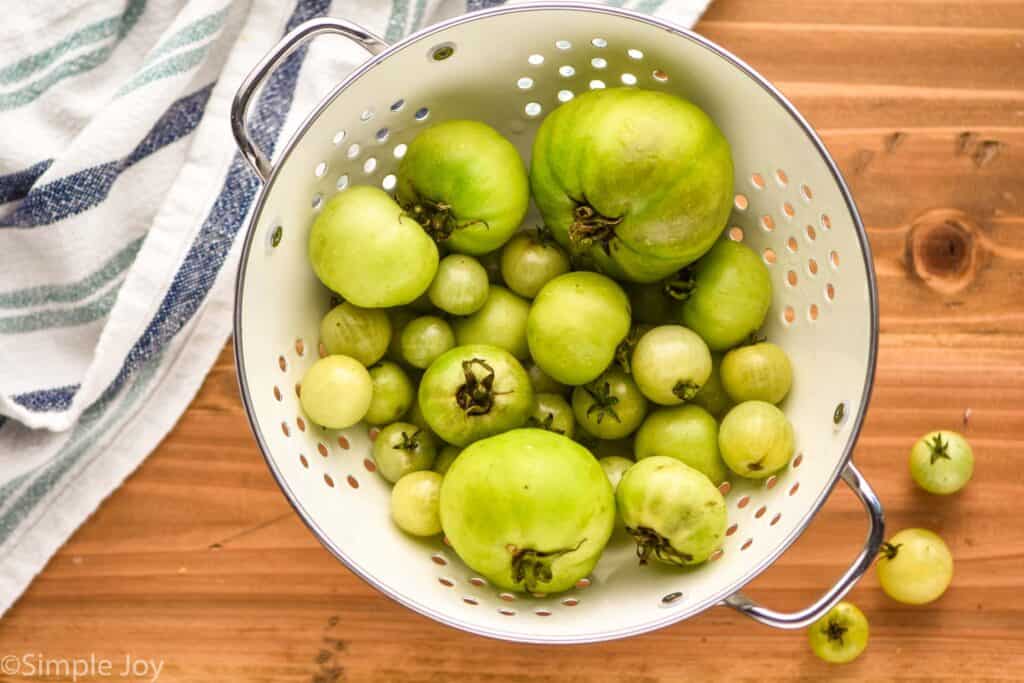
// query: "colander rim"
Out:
[691,609]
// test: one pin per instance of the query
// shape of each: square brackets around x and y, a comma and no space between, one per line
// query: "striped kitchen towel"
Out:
[122,198]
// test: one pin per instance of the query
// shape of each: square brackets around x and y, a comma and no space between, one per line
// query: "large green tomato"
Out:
[725,296]
[465,184]
[500,322]
[528,509]
[473,392]
[365,248]
[575,324]
[640,181]
[687,433]
[672,511]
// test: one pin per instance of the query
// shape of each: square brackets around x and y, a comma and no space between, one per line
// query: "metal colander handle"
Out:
[809,615]
[302,33]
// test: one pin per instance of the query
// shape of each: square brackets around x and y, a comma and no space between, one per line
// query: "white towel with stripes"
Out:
[121,200]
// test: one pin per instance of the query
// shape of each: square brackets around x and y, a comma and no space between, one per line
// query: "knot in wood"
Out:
[943,250]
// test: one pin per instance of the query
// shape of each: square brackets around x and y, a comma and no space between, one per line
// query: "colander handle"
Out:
[298,36]
[805,617]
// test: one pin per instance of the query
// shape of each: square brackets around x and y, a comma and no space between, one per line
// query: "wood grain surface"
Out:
[199,560]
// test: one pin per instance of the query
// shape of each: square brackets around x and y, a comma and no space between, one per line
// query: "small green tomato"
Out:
[416,503]
[610,407]
[424,339]
[336,392]
[401,448]
[841,635]
[362,333]
[756,439]
[942,462]
[553,413]
[460,286]
[758,372]
[393,393]
[670,364]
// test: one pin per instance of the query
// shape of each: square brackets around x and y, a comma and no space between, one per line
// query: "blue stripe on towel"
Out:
[14,186]
[47,400]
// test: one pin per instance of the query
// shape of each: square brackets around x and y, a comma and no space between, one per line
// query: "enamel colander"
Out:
[509,67]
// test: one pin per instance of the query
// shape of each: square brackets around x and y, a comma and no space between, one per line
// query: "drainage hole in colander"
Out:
[369,465]
[533,109]
[543,613]
[767,223]
[798,460]
[321,350]
[812,312]
[300,346]
[343,443]
[318,200]
[328,480]
[659,76]
[740,202]
[634,53]
[563,44]
[397,105]
[535,59]
[583,583]
[302,459]
[671,597]
[353,150]
[285,430]
[788,210]
[400,150]
[389,181]
[791,278]
[352,481]
[342,182]
[775,519]
[599,42]
[370,165]
[599,62]
[830,291]
[746,544]
[339,137]
[833,258]
[439,559]
[743,502]
[769,256]
[770,482]
[826,221]
[321,448]
[724,488]
[298,390]
[565,95]
[570,602]
[366,115]
[439,53]
[781,178]
[477,581]
[275,235]
[566,71]
[628,79]
[788,315]
[757,180]
[792,245]
[470,601]
[444,581]
[812,267]
[320,169]
[372,433]
[282,363]
[421,114]
[731,530]
[806,193]
[736,233]
[596,84]
[841,414]
[382,135]
[717,555]
[507,597]
[794,488]
[760,512]
[300,423]
[811,233]
[277,393]
[504,611]
[524,83]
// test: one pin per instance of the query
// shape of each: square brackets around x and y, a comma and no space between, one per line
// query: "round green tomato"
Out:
[530,260]
[553,413]
[365,248]
[650,304]
[542,382]
[528,509]
[500,322]
[416,503]
[424,339]
[670,364]
[672,511]
[336,392]
[712,396]
[639,180]
[473,392]
[465,184]
[756,439]
[362,333]
[415,416]
[575,324]
[393,393]
[399,318]
[687,433]
[915,567]
[841,635]
[942,462]
[610,407]
[401,448]
[615,466]
[759,372]
[460,286]
[727,295]
[445,459]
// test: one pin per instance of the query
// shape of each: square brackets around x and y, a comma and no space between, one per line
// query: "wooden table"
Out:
[198,560]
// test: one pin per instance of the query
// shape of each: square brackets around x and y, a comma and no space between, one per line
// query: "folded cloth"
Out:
[122,198]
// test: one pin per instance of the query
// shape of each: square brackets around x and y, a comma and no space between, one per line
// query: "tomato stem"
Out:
[834,630]
[476,396]
[938,448]
[546,424]
[590,227]
[604,403]
[888,550]
[531,567]
[684,390]
[650,541]
[409,442]
[682,286]
[437,218]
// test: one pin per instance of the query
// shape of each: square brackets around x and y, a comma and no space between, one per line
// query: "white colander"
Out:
[508,67]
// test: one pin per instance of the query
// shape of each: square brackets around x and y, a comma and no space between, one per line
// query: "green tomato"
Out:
[755,439]
[759,372]
[500,322]
[445,459]
[624,351]
[942,462]
[336,392]
[672,511]
[416,503]
[424,339]
[687,433]
[362,333]
[530,260]
[473,392]
[650,303]
[460,286]
[399,318]
[401,448]
[415,416]
[610,407]
[542,382]
[726,295]
[575,324]
[640,181]
[915,567]
[528,509]
[712,396]
[670,364]
[841,635]
[615,466]
[553,413]
[365,248]
[393,393]
[465,184]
